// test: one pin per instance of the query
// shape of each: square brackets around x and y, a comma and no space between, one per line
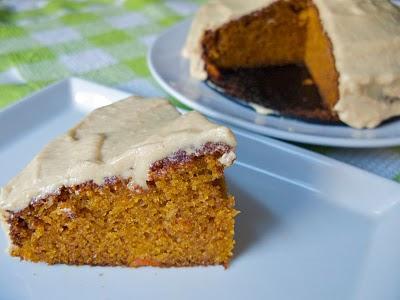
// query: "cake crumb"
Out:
[308,81]
[68,212]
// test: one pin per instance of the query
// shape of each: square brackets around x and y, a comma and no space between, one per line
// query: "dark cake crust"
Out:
[180,157]
[288,90]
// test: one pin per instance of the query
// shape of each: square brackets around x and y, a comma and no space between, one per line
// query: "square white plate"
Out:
[310,227]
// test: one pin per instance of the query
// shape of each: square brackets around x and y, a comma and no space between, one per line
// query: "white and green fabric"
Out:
[106,41]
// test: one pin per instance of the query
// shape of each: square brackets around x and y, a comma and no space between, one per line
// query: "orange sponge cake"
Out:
[135,183]
[327,60]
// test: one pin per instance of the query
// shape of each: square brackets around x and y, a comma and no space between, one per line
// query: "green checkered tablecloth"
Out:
[106,41]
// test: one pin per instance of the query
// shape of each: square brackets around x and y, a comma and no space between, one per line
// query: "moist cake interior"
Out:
[184,218]
[279,57]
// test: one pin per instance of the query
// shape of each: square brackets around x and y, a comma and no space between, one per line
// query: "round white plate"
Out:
[171,71]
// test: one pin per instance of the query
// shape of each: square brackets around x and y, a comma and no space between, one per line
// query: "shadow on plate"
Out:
[253,222]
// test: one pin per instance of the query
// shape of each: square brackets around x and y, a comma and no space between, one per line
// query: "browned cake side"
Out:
[278,57]
[185,218]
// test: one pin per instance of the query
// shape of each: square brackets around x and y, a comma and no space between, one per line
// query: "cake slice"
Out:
[134,184]
[328,60]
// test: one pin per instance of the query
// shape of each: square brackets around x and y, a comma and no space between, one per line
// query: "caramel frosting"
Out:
[365,35]
[123,139]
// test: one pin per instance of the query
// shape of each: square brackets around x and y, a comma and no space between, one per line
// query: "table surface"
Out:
[106,41]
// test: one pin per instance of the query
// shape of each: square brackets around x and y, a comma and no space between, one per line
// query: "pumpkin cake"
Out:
[134,184]
[326,60]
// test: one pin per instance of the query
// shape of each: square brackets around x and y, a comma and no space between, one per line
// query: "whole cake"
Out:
[328,60]
[135,183]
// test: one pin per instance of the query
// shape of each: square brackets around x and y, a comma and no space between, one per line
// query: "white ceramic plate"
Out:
[171,71]
[310,227]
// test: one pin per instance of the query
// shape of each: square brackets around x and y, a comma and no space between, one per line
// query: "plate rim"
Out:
[263,130]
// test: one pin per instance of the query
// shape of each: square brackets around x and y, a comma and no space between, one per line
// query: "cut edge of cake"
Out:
[369,77]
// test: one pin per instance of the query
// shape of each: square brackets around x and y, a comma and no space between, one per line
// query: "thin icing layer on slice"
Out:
[365,36]
[123,139]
